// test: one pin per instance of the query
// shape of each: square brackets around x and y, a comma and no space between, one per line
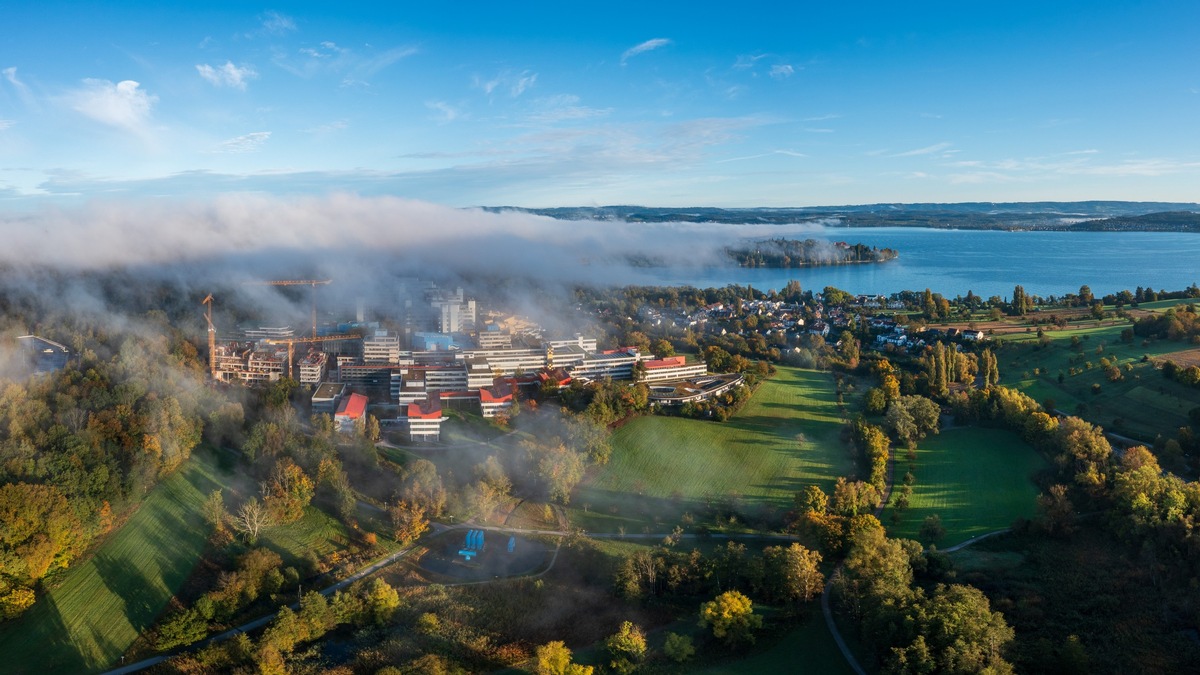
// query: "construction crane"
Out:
[291,344]
[299,282]
[212,336]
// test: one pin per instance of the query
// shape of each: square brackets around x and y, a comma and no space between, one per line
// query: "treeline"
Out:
[788,253]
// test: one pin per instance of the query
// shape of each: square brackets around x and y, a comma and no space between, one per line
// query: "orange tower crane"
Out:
[212,336]
[299,282]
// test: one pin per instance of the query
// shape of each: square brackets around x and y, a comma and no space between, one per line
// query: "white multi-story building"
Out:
[494,339]
[616,364]
[381,347]
[672,369]
[312,367]
[451,377]
[269,333]
[494,400]
[425,421]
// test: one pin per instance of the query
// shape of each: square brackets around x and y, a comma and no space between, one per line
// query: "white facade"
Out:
[381,347]
[672,373]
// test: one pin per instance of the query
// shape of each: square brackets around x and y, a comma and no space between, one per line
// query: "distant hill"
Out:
[966,215]
[1166,221]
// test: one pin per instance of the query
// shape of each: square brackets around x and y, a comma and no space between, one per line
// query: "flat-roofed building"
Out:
[494,338]
[584,343]
[326,398]
[479,373]
[269,333]
[445,378]
[672,368]
[616,364]
[382,347]
[47,356]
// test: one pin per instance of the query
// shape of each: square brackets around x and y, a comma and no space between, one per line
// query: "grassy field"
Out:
[976,480]
[95,610]
[806,649]
[665,464]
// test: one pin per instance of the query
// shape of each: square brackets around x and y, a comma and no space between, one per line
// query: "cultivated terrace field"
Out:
[1139,403]
[785,438]
[975,480]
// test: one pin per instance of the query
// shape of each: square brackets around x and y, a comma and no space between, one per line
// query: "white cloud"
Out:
[523,83]
[821,118]
[277,24]
[227,75]
[251,142]
[644,47]
[336,125]
[6,124]
[124,105]
[446,112]
[515,83]
[745,61]
[927,150]
[782,71]
[786,153]
[23,92]
[563,107]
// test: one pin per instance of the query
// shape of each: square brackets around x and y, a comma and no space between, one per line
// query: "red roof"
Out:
[430,411]
[352,407]
[559,375]
[669,362]
[495,394]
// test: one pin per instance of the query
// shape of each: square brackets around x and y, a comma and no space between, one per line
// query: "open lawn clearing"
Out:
[315,535]
[807,648]
[96,609]
[663,465]
[976,480]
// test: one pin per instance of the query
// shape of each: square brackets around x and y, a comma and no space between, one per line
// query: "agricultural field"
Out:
[976,480]
[94,611]
[785,438]
[1141,403]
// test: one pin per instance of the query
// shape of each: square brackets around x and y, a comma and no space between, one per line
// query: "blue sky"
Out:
[549,104]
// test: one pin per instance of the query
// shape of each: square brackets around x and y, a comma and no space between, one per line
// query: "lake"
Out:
[988,262]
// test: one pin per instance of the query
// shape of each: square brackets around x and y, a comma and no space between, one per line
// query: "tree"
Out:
[287,491]
[663,349]
[38,532]
[932,528]
[731,617]
[627,647]
[678,647]
[250,520]
[408,521]
[1020,302]
[558,467]
[422,486]
[380,602]
[812,500]
[553,658]
[214,510]
[792,573]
